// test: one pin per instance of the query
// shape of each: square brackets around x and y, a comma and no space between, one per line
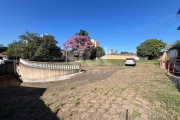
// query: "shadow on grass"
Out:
[9,81]
[24,103]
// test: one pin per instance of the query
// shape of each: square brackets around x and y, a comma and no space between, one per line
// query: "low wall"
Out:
[118,56]
[175,80]
[36,70]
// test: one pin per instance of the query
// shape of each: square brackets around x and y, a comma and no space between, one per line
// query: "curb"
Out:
[50,79]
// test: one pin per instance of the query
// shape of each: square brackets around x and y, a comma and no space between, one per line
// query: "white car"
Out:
[130,61]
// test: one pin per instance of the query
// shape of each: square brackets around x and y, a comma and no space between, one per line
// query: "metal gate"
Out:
[7,68]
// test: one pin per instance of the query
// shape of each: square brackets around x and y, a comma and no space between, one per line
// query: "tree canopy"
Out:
[150,48]
[80,42]
[2,48]
[97,52]
[32,46]
[82,33]
[124,52]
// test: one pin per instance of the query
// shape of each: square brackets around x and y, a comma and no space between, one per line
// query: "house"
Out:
[4,55]
[172,60]
[173,54]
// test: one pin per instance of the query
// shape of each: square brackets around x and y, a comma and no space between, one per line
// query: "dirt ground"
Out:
[101,93]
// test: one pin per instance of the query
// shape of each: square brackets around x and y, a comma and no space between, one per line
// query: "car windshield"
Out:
[129,58]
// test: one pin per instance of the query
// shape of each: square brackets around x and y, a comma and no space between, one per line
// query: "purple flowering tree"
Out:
[79,43]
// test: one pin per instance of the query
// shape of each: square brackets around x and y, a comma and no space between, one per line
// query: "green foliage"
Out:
[82,32]
[124,52]
[15,49]
[2,48]
[97,53]
[150,48]
[32,46]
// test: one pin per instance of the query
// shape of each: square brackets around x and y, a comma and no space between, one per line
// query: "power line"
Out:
[138,27]
[165,25]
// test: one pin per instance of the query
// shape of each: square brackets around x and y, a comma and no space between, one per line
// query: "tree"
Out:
[47,48]
[32,46]
[15,49]
[97,52]
[82,33]
[150,48]
[2,48]
[80,42]
[123,52]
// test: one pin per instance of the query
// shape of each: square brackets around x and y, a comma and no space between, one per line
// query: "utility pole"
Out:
[178,14]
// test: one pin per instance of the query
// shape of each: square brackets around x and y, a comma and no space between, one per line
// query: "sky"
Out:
[120,25]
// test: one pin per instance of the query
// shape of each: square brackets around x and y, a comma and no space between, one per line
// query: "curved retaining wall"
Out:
[36,70]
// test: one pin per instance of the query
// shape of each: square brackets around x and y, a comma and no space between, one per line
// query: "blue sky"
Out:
[127,22]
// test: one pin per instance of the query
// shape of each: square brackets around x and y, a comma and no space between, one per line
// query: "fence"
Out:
[173,71]
[33,70]
[173,67]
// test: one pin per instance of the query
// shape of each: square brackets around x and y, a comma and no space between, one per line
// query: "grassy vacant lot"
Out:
[112,62]
[103,92]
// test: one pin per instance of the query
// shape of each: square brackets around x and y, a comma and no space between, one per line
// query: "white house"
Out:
[4,55]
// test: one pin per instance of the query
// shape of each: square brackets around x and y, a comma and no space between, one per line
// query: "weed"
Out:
[71,88]
[70,113]
[122,88]
[94,89]
[105,93]
[47,104]
[62,103]
[90,105]
[40,98]
[76,102]
[53,94]
[124,98]
[61,118]
[106,109]
[135,114]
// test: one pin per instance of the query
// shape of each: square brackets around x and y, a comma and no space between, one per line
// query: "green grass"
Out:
[135,114]
[103,62]
[112,62]
[165,93]
[146,61]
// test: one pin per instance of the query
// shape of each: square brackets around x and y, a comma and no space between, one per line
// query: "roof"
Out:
[4,53]
[175,47]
